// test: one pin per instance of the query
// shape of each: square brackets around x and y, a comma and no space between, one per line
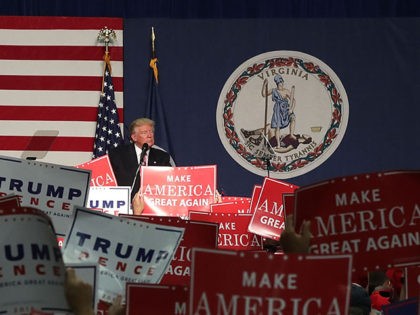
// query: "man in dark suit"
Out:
[125,159]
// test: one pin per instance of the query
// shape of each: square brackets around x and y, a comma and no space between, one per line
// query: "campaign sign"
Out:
[31,267]
[369,215]
[412,281]
[172,191]
[234,206]
[111,200]
[146,299]
[289,203]
[196,234]
[52,188]
[233,230]
[260,283]
[234,198]
[268,218]
[102,173]
[254,198]
[126,250]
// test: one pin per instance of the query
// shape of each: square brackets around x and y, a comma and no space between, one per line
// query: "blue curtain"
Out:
[203,9]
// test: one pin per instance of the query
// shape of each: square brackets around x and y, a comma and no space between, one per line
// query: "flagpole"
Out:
[108,133]
[107,36]
[155,109]
[266,141]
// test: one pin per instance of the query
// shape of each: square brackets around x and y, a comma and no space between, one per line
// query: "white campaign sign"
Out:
[126,250]
[31,267]
[50,187]
[111,200]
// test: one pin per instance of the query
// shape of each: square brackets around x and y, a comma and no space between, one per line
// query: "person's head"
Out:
[142,131]
[359,300]
[278,79]
[377,278]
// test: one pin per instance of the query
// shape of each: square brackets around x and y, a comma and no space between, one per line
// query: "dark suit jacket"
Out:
[124,164]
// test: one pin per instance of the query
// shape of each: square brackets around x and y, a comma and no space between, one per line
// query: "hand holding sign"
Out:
[292,242]
[138,203]
[79,294]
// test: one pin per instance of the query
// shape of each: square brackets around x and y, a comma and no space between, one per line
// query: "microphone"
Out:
[144,149]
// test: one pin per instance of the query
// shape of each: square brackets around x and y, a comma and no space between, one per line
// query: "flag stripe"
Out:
[57,113]
[53,98]
[57,67]
[65,157]
[55,83]
[74,23]
[40,143]
[64,128]
[57,53]
[51,71]
[70,38]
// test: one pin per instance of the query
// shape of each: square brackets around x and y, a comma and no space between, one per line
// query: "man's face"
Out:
[143,134]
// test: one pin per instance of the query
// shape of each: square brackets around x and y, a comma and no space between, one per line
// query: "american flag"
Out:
[108,133]
[51,71]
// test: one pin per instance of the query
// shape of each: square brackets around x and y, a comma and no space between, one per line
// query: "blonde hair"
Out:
[141,122]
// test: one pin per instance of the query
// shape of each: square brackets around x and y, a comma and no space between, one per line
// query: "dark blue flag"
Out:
[108,133]
[155,109]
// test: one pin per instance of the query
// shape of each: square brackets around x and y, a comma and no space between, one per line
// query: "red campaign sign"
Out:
[234,198]
[172,191]
[233,230]
[149,299]
[289,203]
[412,281]
[260,283]
[102,173]
[268,219]
[255,196]
[196,234]
[368,215]
[9,202]
[238,206]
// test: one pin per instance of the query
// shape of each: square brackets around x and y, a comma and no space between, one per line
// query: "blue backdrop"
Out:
[376,60]
[204,9]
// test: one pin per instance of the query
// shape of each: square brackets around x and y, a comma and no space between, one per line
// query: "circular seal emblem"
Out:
[282,113]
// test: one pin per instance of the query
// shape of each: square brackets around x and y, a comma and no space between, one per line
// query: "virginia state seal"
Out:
[282,114]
